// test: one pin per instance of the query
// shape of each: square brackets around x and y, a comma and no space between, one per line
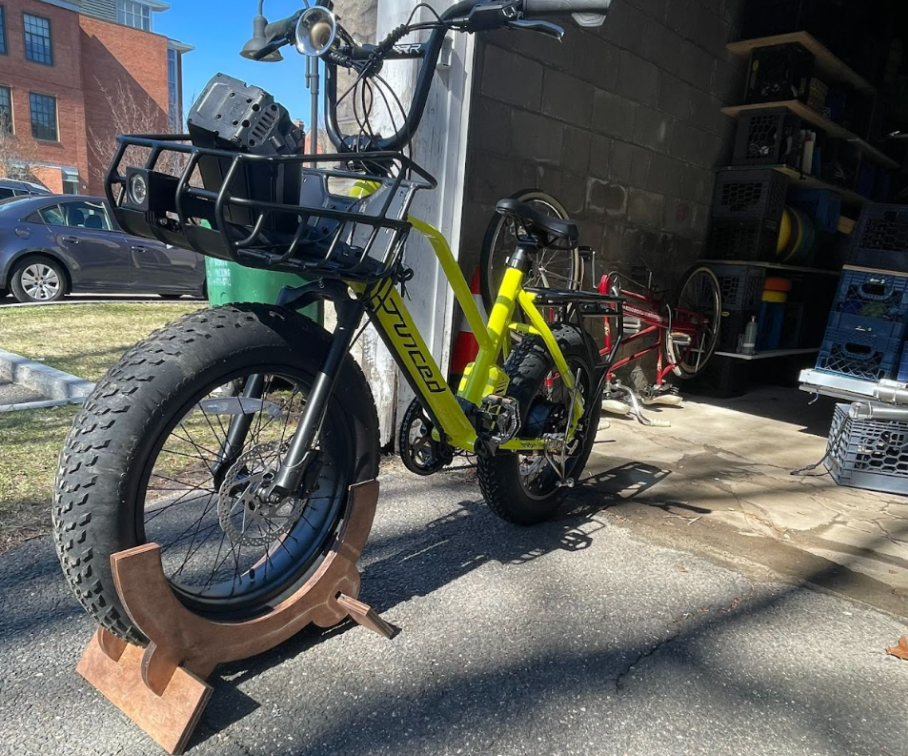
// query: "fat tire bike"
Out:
[232,437]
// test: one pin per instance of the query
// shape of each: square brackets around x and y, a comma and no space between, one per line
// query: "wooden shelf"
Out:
[805,181]
[774,266]
[828,66]
[767,355]
[811,116]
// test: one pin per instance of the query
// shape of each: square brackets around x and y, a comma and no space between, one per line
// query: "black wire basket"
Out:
[296,214]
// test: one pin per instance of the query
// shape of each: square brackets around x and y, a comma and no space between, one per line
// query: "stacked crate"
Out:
[866,330]
[864,340]
[741,287]
[747,214]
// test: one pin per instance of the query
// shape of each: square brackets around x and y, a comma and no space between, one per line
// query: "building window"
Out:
[2,30]
[38,47]
[6,111]
[173,89]
[134,14]
[44,117]
[70,181]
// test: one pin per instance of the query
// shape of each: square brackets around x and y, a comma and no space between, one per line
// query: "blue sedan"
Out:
[54,245]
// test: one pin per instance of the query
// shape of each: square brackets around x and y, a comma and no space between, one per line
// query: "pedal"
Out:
[498,419]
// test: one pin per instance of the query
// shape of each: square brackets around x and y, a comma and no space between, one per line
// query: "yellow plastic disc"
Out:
[784,232]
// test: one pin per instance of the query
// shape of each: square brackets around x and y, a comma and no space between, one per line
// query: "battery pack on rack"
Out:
[235,117]
[231,115]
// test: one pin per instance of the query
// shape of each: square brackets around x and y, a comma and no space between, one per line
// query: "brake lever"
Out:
[535,25]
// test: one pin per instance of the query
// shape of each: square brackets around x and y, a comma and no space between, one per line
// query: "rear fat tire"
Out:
[527,367]
[99,499]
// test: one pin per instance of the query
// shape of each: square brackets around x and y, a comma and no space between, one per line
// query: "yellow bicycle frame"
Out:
[395,324]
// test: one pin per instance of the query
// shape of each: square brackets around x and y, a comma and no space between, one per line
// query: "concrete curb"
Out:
[56,385]
[50,404]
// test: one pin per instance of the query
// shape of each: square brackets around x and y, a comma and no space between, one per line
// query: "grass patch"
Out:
[84,340]
[31,443]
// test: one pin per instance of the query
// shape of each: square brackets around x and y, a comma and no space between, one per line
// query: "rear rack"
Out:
[587,302]
[283,213]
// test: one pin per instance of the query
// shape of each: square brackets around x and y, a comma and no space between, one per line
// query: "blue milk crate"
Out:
[873,294]
[903,368]
[868,355]
[881,238]
[869,454]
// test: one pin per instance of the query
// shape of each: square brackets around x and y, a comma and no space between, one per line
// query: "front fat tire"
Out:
[99,499]
[527,367]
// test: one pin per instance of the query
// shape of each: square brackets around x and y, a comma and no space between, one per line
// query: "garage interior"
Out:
[763,137]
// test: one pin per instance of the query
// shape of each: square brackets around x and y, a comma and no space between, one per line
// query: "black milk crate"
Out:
[865,355]
[741,286]
[767,137]
[750,195]
[873,294]
[731,328]
[780,72]
[289,213]
[881,238]
[869,454]
[750,240]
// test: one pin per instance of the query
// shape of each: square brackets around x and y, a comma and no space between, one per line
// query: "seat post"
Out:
[520,258]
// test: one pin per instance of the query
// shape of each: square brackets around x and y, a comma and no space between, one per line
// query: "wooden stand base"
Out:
[161,687]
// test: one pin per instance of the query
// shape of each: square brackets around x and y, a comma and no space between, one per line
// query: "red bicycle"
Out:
[685,331]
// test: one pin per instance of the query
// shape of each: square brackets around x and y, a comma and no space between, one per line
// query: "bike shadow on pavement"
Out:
[402,566]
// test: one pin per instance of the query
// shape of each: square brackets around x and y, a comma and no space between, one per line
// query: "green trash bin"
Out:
[229,283]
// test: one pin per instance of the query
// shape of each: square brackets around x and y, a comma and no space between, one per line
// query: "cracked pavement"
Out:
[719,483]
[580,636]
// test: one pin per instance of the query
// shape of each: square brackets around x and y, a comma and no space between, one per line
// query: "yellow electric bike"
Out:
[232,437]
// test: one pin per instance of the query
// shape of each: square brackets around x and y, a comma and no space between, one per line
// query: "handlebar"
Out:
[467,16]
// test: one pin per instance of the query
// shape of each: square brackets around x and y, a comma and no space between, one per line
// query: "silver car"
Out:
[54,245]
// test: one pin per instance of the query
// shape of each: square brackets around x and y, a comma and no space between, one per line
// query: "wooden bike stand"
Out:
[161,687]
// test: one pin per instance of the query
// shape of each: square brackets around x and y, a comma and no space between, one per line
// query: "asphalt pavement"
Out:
[575,637]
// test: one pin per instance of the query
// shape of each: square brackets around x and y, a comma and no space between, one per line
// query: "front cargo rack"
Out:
[294,214]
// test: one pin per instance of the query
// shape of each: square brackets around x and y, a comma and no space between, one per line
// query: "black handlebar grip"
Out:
[585,12]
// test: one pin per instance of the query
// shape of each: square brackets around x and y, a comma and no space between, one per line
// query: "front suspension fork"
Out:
[301,450]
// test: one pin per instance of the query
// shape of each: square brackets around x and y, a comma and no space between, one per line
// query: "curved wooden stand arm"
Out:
[161,687]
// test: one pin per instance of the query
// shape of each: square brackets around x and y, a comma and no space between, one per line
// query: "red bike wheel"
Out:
[698,308]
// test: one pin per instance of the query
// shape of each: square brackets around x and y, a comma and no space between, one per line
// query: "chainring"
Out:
[419,451]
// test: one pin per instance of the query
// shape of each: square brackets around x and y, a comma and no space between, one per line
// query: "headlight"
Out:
[138,189]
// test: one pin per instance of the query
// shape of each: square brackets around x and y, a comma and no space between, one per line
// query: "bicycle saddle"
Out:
[535,222]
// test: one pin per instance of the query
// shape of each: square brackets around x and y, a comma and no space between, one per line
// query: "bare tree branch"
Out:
[131,113]
[17,157]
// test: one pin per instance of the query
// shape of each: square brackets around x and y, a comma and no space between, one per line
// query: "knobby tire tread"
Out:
[93,477]
[527,368]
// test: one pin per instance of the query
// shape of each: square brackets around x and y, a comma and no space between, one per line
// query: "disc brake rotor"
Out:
[247,518]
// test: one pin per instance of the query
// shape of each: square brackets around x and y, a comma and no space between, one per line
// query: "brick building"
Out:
[65,66]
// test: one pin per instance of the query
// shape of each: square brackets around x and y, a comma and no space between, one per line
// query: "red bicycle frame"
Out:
[647,308]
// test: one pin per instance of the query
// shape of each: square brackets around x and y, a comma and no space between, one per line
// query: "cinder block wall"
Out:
[621,123]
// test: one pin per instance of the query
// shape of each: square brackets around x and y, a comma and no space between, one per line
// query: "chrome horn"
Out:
[315,31]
